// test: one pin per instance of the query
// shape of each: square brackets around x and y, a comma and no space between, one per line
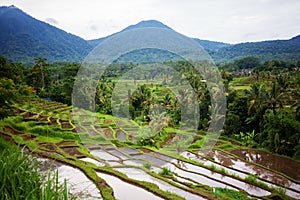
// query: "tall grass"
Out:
[20,178]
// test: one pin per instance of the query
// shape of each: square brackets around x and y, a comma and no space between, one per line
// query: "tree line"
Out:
[264,115]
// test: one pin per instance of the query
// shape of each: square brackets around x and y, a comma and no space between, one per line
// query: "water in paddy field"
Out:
[126,191]
[277,163]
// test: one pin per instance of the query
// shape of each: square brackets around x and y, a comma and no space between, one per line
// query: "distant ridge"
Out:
[288,50]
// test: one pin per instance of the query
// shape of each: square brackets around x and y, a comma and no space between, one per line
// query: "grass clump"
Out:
[254,179]
[20,178]
[196,145]
[226,145]
[231,194]
[166,172]
[147,165]
[280,190]
[50,131]
[224,171]
[212,167]
[251,178]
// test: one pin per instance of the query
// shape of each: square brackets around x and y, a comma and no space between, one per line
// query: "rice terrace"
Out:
[145,113]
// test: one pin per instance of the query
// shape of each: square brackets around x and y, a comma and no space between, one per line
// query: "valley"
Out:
[98,149]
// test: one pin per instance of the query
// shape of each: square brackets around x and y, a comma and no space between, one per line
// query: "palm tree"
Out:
[103,97]
[40,69]
[283,81]
[275,98]
[141,100]
[257,97]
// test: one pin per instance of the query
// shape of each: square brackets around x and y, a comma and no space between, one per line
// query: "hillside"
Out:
[23,38]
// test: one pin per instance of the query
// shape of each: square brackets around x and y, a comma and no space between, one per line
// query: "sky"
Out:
[230,21]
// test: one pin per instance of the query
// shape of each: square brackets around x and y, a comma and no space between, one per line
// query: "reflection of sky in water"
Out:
[278,163]
[77,182]
[143,176]
[218,177]
[238,164]
[232,165]
[124,191]
[104,155]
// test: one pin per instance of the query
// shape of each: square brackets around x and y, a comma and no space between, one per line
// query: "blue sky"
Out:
[231,21]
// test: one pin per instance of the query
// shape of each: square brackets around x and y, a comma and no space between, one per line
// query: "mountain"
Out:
[210,46]
[142,24]
[288,50]
[155,55]
[23,38]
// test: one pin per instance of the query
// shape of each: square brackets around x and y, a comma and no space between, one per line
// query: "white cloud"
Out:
[51,21]
[229,21]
